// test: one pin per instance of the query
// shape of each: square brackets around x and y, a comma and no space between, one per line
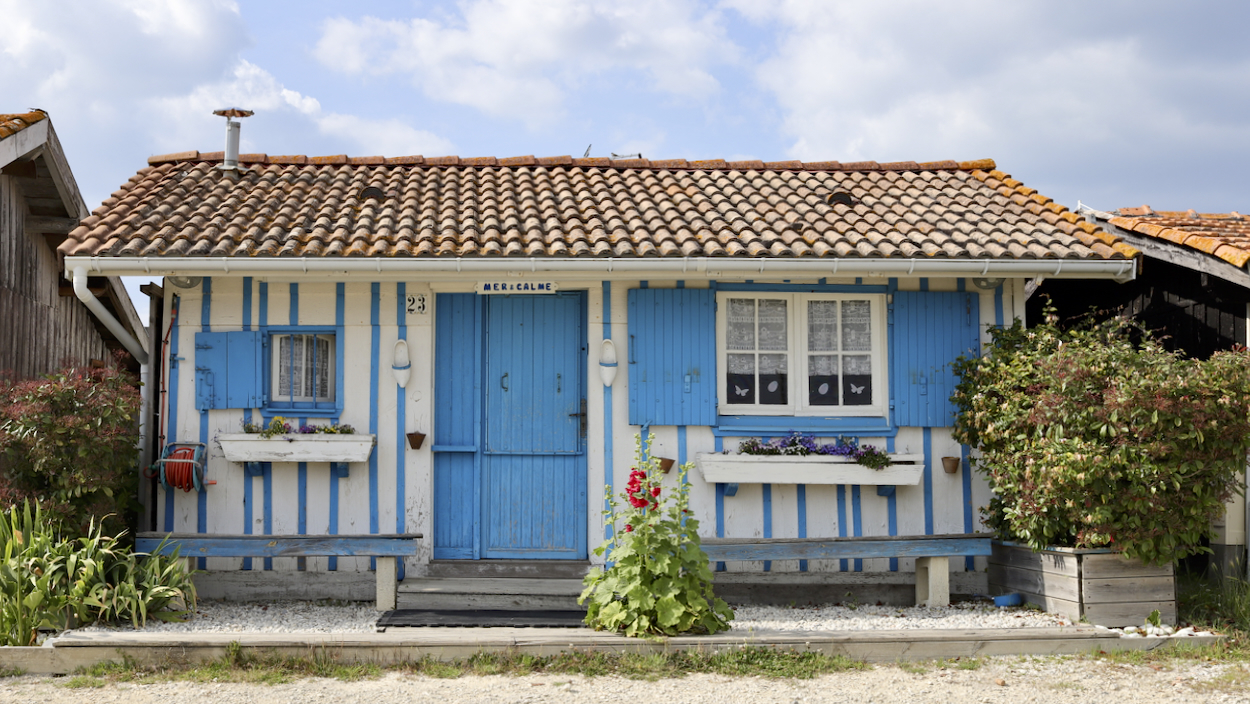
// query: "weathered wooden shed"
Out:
[44,325]
[531,315]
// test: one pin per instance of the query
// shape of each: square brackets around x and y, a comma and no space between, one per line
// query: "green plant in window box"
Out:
[801,445]
[281,426]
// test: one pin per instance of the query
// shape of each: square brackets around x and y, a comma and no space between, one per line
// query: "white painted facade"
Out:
[743,514]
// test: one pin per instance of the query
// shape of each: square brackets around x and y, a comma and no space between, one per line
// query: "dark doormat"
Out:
[482,619]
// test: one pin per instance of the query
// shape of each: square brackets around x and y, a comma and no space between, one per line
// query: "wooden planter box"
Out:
[319,447]
[1101,586]
[807,469]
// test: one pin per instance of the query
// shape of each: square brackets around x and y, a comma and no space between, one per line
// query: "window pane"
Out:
[773,325]
[773,368]
[297,366]
[822,326]
[856,326]
[741,333]
[284,366]
[857,380]
[822,380]
[740,378]
[324,357]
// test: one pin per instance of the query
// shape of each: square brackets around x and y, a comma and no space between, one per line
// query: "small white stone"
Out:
[1167,630]
[1132,635]
[1131,629]
[1186,631]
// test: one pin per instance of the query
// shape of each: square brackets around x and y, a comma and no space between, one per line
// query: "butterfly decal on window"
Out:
[857,389]
[741,391]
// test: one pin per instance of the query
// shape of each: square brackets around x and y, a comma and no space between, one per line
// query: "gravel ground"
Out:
[1014,680]
[309,617]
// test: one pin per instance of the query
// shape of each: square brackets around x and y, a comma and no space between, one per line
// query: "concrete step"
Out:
[507,594]
[508,569]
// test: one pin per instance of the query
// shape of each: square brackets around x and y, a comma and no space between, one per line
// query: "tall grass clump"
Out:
[47,581]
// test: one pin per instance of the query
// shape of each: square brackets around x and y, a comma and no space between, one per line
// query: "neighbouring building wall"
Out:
[42,330]
[394,491]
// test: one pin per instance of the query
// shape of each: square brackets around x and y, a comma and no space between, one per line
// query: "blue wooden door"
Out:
[534,448]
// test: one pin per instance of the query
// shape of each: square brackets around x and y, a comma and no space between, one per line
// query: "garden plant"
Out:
[657,581]
[1095,436]
[70,442]
[47,579]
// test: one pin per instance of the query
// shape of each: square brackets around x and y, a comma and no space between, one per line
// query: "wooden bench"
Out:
[386,548]
[931,553]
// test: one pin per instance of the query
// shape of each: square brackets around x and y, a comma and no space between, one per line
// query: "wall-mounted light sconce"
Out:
[401,364]
[184,281]
[986,284]
[607,362]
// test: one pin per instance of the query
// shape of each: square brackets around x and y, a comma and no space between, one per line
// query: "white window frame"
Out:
[797,354]
[275,370]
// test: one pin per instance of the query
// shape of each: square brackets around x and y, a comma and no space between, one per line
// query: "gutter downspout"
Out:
[95,306]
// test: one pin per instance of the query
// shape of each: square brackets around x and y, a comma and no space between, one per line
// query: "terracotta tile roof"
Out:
[1223,235]
[12,124]
[182,205]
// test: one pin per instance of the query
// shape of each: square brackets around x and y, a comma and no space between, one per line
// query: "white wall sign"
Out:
[488,287]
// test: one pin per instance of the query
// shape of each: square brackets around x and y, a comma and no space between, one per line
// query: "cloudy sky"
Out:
[1110,103]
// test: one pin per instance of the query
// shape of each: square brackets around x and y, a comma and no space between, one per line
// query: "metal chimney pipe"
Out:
[231,161]
[232,144]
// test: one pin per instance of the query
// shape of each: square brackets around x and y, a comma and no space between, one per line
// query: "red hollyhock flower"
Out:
[655,491]
[629,528]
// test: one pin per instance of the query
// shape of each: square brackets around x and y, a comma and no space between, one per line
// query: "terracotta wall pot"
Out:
[415,440]
[951,464]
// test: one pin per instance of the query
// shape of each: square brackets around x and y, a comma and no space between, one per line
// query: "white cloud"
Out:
[1014,81]
[384,137]
[519,58]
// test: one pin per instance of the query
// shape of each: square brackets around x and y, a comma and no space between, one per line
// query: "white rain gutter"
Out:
[373,269]
[95,306]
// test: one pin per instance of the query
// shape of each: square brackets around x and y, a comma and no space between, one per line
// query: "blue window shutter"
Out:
[672,356]
[227,370]
[931,329]
[211,370]
[243,386]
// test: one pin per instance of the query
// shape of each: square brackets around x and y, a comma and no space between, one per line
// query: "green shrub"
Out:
[70,442]
[658,581]
[46,579]
[1096,436]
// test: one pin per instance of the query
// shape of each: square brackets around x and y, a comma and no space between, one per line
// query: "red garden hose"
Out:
[180,475]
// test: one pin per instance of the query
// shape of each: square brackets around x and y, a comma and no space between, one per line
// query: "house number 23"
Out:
[416,303]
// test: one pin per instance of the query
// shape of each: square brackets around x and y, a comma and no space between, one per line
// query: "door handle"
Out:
[558,384]
[503,381]
[581,416]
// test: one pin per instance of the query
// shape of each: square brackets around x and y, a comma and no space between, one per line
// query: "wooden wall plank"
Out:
[1011,579]
[1109,591]
[1112,565]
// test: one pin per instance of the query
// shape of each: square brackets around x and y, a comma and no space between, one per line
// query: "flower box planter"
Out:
[806,469]
[295,447]
[1101,586]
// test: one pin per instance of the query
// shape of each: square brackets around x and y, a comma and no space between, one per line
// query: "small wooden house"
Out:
[44,325]
[530,316]
[1193,289]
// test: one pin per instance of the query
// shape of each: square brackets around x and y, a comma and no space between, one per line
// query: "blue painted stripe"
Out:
[401,420]
[608,434]
[766,490]
[267,512]
[891,509]
[266,473]
[171,429]
[337,472]
[857,522]
[998,306]
[965,466]
[294,311]
[801,500]
[248,479]
[842,566]
[959,285]
[375,302]
[924,283]
[928,481]
[201,497]
[302,521]
[720,503]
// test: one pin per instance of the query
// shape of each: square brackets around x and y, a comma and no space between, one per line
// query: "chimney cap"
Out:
[233,112]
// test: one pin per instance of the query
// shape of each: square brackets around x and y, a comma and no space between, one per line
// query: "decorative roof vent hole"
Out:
[372,192]
[841,198]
